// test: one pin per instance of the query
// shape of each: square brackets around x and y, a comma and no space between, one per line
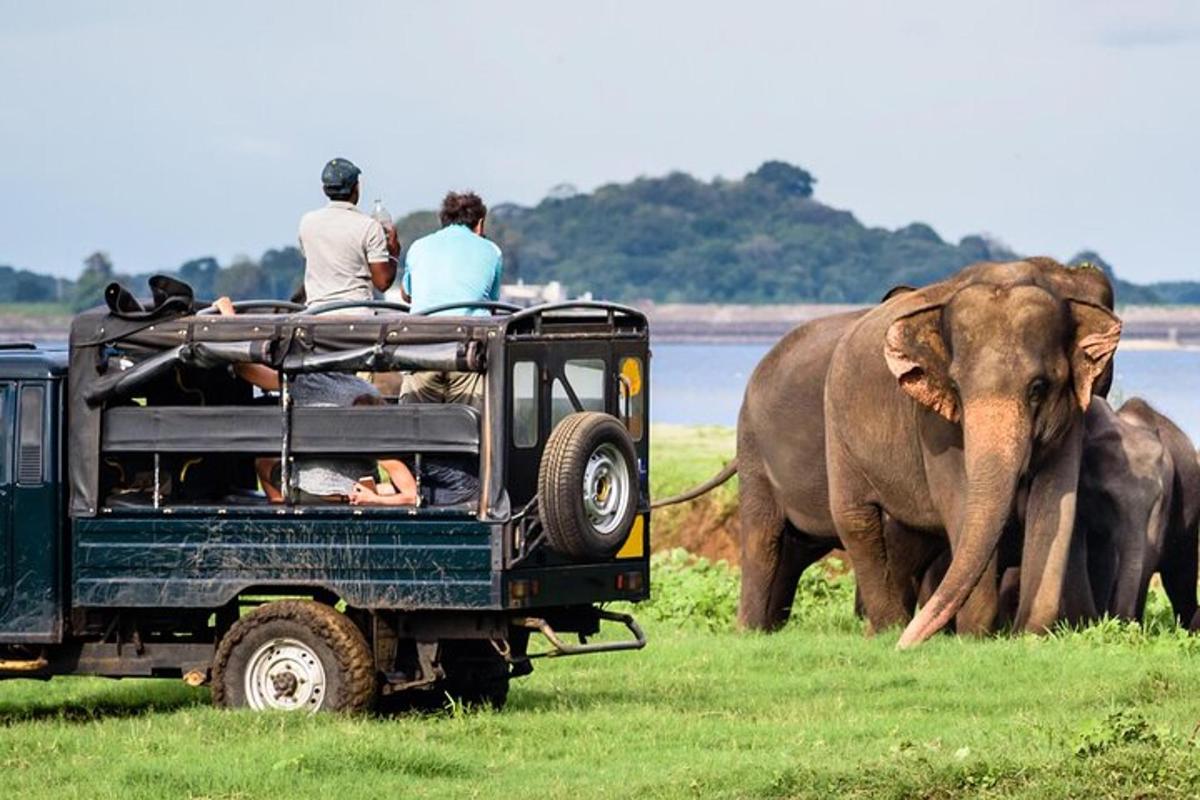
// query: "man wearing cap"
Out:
[347,254]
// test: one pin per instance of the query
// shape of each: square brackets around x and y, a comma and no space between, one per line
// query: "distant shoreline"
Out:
[1145,327]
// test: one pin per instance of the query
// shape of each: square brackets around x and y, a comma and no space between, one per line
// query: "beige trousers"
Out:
[443,387]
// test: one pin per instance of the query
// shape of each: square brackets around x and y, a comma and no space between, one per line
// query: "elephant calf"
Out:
[1140,510]
[1138,513]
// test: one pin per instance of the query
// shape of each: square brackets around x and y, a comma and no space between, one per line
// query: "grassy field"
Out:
[814,711]
[682,457]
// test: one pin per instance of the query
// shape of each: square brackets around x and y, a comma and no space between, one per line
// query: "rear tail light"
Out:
[524,589]
[630,581]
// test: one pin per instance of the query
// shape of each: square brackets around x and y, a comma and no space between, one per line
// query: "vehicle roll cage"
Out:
[112,356]
[496,308]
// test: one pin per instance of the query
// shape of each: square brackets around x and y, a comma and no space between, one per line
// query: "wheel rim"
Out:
[285,675]
[606,488]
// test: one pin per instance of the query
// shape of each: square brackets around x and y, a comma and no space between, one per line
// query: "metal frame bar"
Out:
[490,305]
[561,648]
[386,305]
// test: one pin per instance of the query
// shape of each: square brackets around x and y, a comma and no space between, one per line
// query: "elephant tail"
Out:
[691,494]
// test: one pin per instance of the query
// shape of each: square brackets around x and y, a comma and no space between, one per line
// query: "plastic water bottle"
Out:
[380,213]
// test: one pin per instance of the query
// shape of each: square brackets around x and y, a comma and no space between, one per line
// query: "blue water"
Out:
[696,384]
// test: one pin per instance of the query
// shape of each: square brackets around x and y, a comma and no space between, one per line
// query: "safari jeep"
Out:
[135,540]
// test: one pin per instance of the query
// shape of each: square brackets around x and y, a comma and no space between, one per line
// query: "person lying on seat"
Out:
[445,481]
[329,479]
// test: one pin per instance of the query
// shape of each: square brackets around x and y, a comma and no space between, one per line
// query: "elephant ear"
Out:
[1097,332]
[897,290]
[917,355]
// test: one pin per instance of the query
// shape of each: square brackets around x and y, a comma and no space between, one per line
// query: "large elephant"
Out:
[785,521]
[945,404]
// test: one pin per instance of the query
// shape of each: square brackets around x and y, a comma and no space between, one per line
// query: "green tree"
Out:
[89,289]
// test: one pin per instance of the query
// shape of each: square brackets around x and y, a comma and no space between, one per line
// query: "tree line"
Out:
[762,238]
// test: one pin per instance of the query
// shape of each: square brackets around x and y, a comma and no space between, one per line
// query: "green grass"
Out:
[797,714]
[35,310]
[683,456]
[816,710]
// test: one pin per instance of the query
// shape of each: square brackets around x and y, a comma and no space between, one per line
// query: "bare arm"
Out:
[402,480]
[260,375]
[383,274]
[382,248]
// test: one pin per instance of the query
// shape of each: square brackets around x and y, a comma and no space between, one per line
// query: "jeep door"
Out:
[8,421]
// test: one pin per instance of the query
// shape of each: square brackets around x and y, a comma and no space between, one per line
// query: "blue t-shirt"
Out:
[454,265]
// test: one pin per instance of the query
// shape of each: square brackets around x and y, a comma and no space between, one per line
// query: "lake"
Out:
[702,384]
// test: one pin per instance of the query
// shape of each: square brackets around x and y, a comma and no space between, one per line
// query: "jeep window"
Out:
[585,378]
[525,404]
[5,442]
[29,441]
[633,396]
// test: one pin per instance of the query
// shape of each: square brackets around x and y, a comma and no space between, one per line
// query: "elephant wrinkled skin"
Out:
[941,405]
[785,517]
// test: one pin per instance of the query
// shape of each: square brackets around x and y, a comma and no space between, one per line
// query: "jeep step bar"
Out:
[561,648]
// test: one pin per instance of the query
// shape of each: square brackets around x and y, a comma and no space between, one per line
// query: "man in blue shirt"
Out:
[455,265]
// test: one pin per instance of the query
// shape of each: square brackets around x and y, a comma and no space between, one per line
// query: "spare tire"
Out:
[588,486]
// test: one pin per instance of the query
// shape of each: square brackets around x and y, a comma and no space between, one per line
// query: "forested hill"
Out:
[761,239]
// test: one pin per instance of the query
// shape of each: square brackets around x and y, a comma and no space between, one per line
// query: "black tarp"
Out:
[112,356]
[378,430]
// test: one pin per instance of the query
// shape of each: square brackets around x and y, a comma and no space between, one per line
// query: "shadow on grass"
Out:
[43,701]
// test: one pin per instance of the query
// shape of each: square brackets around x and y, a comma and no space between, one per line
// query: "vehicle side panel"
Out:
[399,563]
[32,501]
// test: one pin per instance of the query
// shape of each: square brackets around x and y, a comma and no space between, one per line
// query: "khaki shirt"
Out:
[338,242]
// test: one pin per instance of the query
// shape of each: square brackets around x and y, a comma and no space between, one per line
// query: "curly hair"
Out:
[462,208]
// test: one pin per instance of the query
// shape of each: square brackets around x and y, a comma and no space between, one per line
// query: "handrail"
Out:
[490,305]
[387,305]
[245,305]
[598,305]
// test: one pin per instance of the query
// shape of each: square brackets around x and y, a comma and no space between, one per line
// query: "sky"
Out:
[160,132]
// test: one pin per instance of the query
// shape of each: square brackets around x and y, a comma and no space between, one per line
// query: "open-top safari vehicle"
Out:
[134,539]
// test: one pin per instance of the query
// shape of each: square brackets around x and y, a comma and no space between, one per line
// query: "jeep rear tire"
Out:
[294,655]
[588,486]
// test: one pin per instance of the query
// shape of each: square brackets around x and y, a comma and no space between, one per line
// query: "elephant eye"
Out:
[1037,390]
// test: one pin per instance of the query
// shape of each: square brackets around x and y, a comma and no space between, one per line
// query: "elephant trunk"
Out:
[996,441]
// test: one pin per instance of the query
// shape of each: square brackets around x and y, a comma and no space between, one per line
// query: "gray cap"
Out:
[340,175]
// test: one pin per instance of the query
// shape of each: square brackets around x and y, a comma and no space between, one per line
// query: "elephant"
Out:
[1173,551]
[942,406]
[1125,494]
[1121,523]
[1138,513]
[785,516]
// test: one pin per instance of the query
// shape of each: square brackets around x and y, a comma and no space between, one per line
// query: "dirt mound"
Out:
[707,527]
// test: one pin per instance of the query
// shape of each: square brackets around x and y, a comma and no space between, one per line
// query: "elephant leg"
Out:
[798,551]
[763,529]
[1102,562]
[1078,599]
[977,617]
[910,555]
[1006,600]
[1178,569]
[1049,526]
[882,590]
